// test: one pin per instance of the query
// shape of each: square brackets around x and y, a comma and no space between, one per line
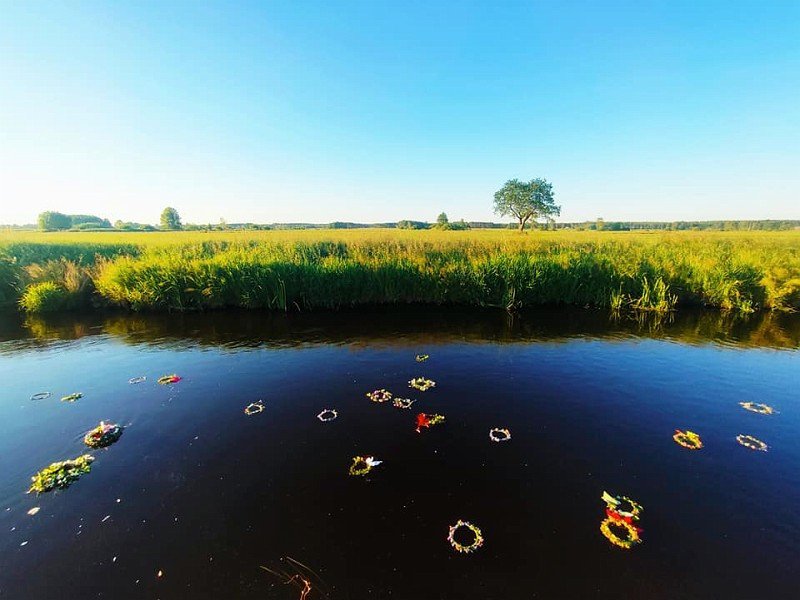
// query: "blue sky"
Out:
[379,111]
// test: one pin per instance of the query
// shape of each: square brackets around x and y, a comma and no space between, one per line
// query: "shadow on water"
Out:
[199,500]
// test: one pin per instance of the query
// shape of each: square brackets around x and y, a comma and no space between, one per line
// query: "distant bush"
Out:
[44,297]
[92,226]
[80,221]
[452,226]
[412,225]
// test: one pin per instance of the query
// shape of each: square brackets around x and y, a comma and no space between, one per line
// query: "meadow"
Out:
[329,269]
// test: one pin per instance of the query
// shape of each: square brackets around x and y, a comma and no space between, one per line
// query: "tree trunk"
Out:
[522,221]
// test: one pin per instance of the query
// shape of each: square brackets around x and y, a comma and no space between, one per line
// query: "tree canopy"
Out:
[54,221]
[170,219]
[526,200]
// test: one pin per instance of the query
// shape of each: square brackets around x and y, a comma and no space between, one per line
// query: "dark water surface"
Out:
[206,495]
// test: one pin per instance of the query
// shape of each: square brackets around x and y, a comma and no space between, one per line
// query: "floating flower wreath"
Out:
[428,421]
[403,402]
[477,542]
[421,384]
[168,379]
[380,395]
[72,397]
[328,414]
[421,357]
[622,506]
[498,434]
[757,407]
[687,439]
[61,474]
[254,408]
[103,435]
[363,465]
[748,441]
[41,396]
[134,380]
[627,542]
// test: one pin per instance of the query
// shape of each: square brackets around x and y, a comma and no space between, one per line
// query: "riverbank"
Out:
[331,269]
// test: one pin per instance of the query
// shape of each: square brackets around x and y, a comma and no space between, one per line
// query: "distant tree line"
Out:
[743,225]
[170,220]
[56,221]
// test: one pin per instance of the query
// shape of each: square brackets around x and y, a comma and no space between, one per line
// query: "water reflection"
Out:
[401,326]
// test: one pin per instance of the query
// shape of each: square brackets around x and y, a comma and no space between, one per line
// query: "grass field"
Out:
[307,269]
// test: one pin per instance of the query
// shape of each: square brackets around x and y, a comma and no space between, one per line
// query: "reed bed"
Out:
[329,269]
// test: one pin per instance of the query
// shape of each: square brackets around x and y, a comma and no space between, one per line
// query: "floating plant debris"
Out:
[687,439]
[748,441]
[135,380]
[168,379]
[757,407]
[618,527]
[72,397]
[421,357]
[34,510]
[328,414]
[61,474]
[428,421]
[380,395]
[103,435]
[403,402]
[421,384]
[294,573]
[476,543]
[254,408]
[41,396]
[497,434]
[363,465]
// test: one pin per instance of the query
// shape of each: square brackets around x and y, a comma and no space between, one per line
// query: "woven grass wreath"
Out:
[428,421]
[687,439]
[380,395]
[403,403]
[169,379]
[328,414]
[103,435]
[61,474]
[499,434]
[477,541]
[363,465]
[757,407]
[753,443]
[631,533]
[421,384]
[254,408]
[41,396]
[135,380]
[624,507]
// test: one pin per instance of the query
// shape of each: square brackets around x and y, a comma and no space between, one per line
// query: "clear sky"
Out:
[379,111]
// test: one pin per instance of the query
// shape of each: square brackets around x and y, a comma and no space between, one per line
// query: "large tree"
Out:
[170,219]
[54,221]
[526,200]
